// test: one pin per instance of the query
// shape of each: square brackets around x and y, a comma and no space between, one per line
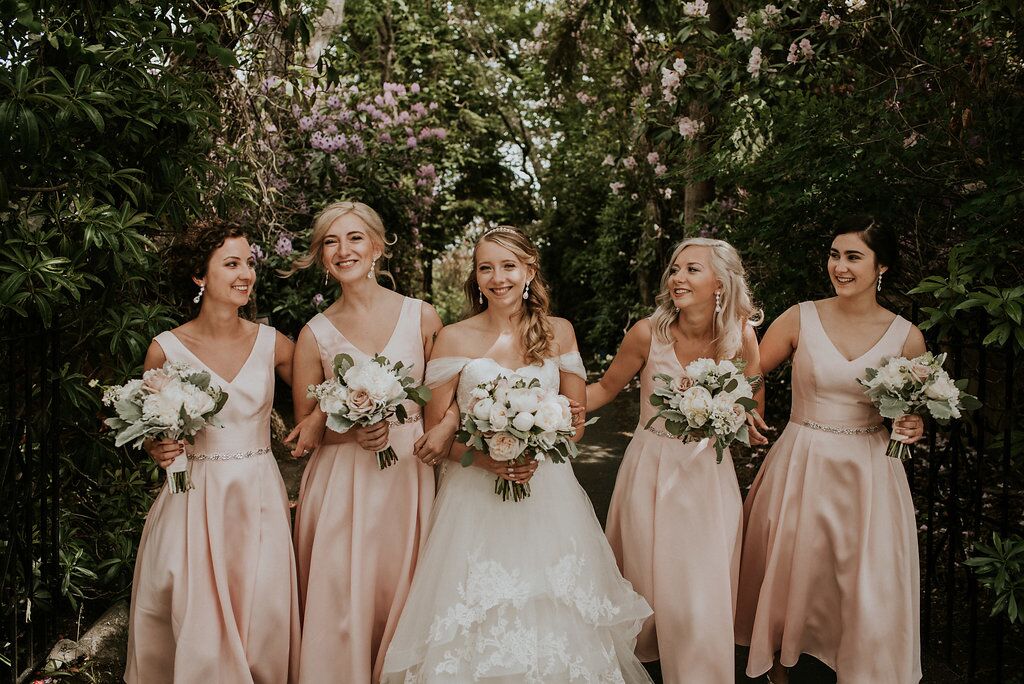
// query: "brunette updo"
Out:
[878,236]
[189,256]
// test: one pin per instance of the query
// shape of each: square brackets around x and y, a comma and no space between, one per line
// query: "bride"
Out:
[509,591]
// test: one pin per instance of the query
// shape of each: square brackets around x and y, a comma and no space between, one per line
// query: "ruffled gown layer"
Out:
[359,529]
[512,592]
[830,560]
[675,524]
[214,595]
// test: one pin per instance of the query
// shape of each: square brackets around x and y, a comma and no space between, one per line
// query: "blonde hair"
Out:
[738,307]
[537,332]
[323,222]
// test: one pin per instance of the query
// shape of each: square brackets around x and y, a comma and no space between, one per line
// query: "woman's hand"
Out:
[911,427]
[579,413]
[372,437]
[507,470]
[755,426]
[163,451]
[432,447]
[308,434]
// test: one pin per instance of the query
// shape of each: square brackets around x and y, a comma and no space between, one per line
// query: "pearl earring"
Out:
[326,277]
[878,287]
[526,290]
[718,302]
[481,296]
[202,289]
[373,265]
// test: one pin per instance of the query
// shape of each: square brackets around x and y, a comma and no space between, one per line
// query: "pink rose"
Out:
[359,401]
[684,383]
[156,380]
[504,447]
[920,372]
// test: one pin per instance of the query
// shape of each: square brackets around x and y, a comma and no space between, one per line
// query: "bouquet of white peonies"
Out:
[708,402]
[903,386]
[514,419]
[366,393]
[172,402]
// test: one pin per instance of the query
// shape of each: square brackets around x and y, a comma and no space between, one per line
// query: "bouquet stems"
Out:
[897,447]
[178,479]
[517,491]
[386,458]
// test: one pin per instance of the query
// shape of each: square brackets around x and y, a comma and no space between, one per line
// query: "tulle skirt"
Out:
[517,591]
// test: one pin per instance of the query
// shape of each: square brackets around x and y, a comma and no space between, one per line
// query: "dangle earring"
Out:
[878,287]
[481,296]
[198,297]
[718,302]
[526,290]
[373,265]
[326,277]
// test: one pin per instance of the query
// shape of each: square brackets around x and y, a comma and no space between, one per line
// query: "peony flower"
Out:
[498,417]
[378,382]
[523,421]
[942,388]
[482,408]
[696,405]
[550,416]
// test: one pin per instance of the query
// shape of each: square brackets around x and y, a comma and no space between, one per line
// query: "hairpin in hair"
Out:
[502,229]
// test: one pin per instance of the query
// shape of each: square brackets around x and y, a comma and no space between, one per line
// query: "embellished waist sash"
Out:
[229,455]
[838,429]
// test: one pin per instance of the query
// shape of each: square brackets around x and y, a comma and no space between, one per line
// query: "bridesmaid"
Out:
[359,529]
[830,556]
[214,596]
[675,515]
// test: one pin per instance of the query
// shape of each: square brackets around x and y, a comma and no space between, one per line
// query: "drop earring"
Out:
[526,290]
[878,287]
[480,294]
[326,277]
[718,302]
[373,265]
[198,297]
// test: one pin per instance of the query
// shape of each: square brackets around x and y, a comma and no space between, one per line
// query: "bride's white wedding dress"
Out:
[515,591]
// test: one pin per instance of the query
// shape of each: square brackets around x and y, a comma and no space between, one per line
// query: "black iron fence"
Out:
[30,496]
[968,482]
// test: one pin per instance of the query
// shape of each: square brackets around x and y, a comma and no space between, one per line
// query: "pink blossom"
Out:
[283,246]
[679,66]
[414,88]
[754,63]
[411,142]
[742,31]
[666,193]
[829,20]
[806,49]
[609,160]
[629,163]
[699,8]
[652,158]
[305,123]
[660,170]
[688,127]
[645,90]
[616,187]
[318,299]
[792,57]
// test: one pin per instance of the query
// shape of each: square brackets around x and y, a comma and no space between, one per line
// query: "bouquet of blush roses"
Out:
[366,393]
[172,402]
[514,419]
[708,402]
[903,386]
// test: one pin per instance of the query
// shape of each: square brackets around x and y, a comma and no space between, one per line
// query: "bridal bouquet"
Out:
[903,386]
[366,393]
[708,402]
[514,419]
[172,402]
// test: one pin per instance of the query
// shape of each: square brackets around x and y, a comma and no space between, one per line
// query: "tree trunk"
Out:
[326,27]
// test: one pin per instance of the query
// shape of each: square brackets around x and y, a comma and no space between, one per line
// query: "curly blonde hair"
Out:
[738,308]
[322,223]
[537,332]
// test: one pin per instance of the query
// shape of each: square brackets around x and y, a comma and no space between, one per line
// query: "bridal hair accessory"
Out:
[502,229]
[202,289]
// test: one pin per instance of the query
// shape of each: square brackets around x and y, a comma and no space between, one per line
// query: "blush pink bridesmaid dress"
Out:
[359,529]
[830,565]
[675,524]
[214,596]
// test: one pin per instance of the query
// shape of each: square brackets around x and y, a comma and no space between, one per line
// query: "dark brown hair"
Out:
[189,255]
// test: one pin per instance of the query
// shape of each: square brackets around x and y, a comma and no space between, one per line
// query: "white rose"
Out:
[498,417]
[482,409]
[163,409]
[942,389]
[550,417]
[504,447]
[523,421]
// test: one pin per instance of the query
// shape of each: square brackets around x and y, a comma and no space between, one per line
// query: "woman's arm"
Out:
[569,384]
[780,341]
[628,361]
[753,370]
[284,350]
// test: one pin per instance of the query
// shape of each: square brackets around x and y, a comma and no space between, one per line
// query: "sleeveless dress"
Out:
[830,565]
[675,524]
[359,529]
[214,595]
[515,592]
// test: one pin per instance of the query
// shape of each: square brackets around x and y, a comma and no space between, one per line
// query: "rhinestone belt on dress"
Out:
[662,433]
[234,456]
[411,418]
[839,430]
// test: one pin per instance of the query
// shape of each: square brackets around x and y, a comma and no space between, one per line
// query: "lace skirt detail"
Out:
[517,592]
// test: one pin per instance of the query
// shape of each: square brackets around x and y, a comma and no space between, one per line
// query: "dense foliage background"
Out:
[608,128]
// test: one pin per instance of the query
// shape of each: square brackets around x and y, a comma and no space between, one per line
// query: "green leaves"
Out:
[1000,567]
